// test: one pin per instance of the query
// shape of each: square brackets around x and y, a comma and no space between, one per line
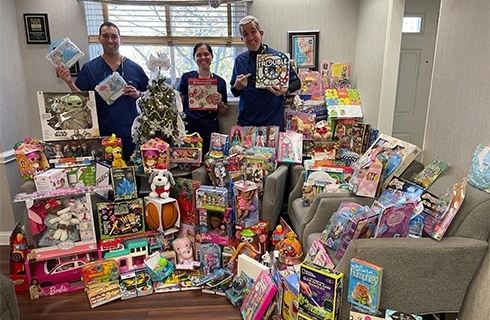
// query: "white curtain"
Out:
[167,2]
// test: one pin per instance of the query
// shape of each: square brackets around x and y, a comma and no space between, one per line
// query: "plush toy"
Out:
[308,193]
[322,131]
[160,183]
[75,115]
[117,159]
[185,254]
[65,222]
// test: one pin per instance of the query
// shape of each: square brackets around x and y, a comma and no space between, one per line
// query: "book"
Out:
[364,287]
[259,298]
[394,220]
[272,70]
[111,88]
[200,90]
[64,52]
[429,173]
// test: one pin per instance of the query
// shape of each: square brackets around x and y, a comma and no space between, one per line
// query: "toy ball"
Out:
[162,218]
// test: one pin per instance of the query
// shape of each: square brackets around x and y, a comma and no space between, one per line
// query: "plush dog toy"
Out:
[160,183]
[308,193]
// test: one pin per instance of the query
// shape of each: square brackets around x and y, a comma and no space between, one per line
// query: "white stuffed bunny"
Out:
[160,183]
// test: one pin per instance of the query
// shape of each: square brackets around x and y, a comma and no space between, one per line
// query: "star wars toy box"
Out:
[31,158]
[66,116]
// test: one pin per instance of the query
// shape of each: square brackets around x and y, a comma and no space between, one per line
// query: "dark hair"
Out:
[200,44]
[109,24]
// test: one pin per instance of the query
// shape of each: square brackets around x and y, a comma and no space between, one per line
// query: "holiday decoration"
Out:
[161,108]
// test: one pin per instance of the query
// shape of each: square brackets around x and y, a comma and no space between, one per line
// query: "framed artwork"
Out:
[37,28]
[303,48]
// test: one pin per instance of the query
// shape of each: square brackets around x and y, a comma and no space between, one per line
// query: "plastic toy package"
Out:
[64,52]
[111,88]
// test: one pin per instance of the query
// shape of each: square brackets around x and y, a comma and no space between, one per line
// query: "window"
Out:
[175,30]
[412,24]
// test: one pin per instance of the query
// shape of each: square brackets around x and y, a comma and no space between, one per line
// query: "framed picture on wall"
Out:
[303,47]
[37,28]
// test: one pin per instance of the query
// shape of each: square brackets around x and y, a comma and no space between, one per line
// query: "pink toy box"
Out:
[30,158]
[257,301]
[246,200]
[68,115]
[57,275]
[155,152]
[216,226]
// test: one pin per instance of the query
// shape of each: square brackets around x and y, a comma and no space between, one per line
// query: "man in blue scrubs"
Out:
[257,107]
[119,116]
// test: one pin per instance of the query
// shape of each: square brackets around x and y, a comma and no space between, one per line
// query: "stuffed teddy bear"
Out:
[160,183]
[322,131]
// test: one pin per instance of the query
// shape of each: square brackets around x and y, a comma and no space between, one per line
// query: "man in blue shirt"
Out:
[257,107]
[118,117]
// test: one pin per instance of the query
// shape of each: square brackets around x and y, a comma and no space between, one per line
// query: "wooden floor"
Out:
[74,306]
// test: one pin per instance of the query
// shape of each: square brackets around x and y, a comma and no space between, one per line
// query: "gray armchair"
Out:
[270,204]
[421,276]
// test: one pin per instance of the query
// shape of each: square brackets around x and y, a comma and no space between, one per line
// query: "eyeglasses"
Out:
[106,37]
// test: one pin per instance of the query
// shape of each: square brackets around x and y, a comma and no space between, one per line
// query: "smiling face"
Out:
[110,40]
[251,36]
[203,57]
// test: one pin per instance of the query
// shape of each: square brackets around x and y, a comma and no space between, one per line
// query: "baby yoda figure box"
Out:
[66,116]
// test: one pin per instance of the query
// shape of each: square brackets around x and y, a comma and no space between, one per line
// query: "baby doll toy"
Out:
[244,203]
[161,180]
[30,157]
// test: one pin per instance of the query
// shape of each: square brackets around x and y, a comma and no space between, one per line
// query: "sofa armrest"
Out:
[273,198]
[297,192]
[323,206]
[421,275]
[200,174]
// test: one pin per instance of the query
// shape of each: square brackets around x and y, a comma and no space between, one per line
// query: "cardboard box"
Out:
[50,180]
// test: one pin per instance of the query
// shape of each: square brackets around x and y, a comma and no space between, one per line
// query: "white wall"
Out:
[459,111]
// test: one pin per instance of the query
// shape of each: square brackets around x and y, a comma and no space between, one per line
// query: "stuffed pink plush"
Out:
[183,249]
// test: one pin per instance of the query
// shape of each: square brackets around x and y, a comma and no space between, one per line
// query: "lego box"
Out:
[68,115]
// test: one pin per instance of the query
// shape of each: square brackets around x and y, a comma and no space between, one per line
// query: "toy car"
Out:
[59,270]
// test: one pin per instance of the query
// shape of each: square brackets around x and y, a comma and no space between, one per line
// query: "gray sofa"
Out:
[271,203]
[421,276]
[9,308]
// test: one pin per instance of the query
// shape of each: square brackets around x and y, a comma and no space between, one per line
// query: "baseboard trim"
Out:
[4,238]
[7,156]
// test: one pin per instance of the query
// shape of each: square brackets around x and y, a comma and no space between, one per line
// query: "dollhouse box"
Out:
[68,115]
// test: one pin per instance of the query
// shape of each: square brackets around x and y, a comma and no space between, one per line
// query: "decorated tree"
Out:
[161,109]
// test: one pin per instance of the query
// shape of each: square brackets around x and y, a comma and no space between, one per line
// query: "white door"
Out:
[415,71]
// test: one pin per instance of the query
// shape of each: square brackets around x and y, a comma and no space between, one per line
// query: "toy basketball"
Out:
[160,214]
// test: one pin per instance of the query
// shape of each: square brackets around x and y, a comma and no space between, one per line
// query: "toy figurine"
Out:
[117,159]
[308,194]
[277,236]
[290,250]
[65,222]
[34,158]
[150,157]
[161,180]
[76,115]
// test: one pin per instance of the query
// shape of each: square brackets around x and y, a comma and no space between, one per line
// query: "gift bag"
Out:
[479,175]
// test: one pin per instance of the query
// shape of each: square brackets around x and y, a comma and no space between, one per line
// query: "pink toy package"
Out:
[257,301]
[30,158]
[246,203]
[290,146]
[216,227]
[155,152]
[394,221]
